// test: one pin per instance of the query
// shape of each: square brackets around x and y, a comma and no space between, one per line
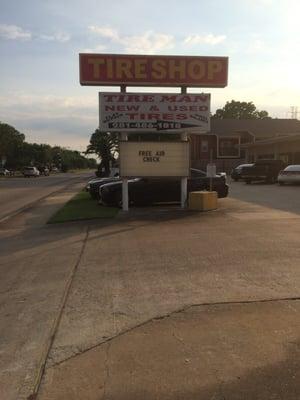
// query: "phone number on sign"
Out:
[132,125]
[144,125]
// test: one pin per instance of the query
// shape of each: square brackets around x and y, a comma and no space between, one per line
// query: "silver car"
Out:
[290,175]
[31,171]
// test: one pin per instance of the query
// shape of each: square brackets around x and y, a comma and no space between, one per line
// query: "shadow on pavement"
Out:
[29,229]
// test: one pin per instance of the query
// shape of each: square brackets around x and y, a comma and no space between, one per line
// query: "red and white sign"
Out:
[150,112]
[145,70]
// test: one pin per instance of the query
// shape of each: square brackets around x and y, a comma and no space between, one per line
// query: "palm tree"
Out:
[105,145]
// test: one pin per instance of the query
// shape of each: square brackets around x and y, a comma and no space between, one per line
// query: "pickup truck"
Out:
[263,170]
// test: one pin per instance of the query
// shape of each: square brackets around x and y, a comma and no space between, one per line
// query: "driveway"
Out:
[165,303]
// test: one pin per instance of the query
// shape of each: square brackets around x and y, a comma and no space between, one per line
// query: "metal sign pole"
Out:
[124,137]
[210,179]
[183,137]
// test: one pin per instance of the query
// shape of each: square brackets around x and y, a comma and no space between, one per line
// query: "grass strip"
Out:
[81,207]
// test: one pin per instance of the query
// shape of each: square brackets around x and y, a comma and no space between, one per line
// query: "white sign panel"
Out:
[211,170]
[150,112]
[141,159]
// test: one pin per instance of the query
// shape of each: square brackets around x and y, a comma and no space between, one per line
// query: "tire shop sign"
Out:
[145,112]
[146,70]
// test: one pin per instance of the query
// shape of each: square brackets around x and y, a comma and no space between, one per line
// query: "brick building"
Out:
[233,142]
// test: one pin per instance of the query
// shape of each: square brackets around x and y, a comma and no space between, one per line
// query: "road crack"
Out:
[168,315]
[55,326]
[107,371]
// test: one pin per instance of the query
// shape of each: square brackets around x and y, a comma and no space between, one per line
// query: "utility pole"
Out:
[294,112]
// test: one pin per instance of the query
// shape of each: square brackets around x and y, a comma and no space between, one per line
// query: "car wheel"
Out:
[117,200]
[248,181]
[281,183]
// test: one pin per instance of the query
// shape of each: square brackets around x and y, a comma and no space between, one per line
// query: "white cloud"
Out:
[204,39]
[256,46]
[147,43]
[14,32]
[63,120]
[60,104]
[57,37]
[97,49]
[105,32]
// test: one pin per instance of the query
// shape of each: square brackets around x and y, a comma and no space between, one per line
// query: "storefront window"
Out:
[229,147]
[204,146]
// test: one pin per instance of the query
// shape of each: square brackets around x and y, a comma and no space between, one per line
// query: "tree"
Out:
[240,110]
[11,142]
[105,145]
[19,153]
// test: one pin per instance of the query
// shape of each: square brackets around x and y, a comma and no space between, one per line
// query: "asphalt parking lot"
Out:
[161,303]
[273,196]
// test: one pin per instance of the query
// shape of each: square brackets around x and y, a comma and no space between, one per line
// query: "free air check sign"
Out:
[150,112]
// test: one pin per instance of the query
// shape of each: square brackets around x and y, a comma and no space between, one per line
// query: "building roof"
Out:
[277,139]
[260,128]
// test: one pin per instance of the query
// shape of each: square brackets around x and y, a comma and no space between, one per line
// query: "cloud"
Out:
[147,43]
[204,39]
[256,46]
[105,32]
[97,49]
[60,37]
[64,120]
[14,32]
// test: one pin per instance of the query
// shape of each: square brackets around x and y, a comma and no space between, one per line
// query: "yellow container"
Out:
[203,201]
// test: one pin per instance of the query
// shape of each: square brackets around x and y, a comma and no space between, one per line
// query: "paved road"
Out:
[160,304]
[16,193]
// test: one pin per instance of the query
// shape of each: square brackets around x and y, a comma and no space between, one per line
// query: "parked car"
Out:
[263,170]
[4,172]
[44,171]
[237,172]
[114,171]
[290,175]
[145,191]
[31,171]
[94,185]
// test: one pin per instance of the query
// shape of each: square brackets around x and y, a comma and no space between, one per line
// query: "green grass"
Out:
[81,207]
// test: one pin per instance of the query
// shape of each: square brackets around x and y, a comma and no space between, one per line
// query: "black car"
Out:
[145,191]
[94,185]
[263,170]
[237,172]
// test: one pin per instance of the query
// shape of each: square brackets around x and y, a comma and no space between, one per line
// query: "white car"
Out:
[31,171]
[290,175]
[4,172]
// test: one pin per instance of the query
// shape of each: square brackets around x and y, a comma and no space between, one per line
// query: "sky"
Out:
[40,40]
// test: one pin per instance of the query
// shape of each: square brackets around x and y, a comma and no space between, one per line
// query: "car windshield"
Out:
[293,168]
[197,173]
